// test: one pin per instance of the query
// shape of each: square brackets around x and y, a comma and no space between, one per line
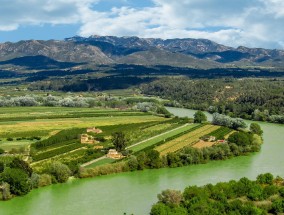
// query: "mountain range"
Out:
[98,50]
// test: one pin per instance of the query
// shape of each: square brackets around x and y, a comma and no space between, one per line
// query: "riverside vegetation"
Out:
[254,99]
[263,196]
[56,158]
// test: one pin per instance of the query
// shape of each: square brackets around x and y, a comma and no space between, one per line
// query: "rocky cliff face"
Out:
[57,50]
[199,53]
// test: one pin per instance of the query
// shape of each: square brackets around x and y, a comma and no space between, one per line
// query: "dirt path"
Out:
[143,141]
[136,144]
[93,161]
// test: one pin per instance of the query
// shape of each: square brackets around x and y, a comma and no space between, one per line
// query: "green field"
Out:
[162,137]
[187,139]
[42,125]
[24,123]
[101,162]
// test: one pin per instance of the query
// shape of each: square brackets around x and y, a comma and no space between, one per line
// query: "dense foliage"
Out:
[243,197]
[199,117]
[223,120]
[17,177]
[258,99]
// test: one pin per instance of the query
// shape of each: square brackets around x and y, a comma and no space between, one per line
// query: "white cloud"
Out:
[36,12]
[254,23]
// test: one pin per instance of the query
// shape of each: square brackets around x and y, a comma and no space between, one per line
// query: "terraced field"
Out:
[185,140]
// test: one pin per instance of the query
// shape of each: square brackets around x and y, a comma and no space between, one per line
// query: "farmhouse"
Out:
[87,139]
[112,153]
[210,139]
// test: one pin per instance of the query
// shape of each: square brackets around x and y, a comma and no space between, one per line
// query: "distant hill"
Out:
[39,62]
[98,50]
[56,50]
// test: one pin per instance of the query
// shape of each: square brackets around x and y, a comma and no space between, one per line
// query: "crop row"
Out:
[62,136]
[185,140]
[57,151]
[220,133]
[159,143]
[70,115]
[183,137]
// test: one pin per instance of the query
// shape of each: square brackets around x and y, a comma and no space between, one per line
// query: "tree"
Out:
[2,167]
[199,117]
[154,160]
[132,163]
[240,138]
[266,178]
[142,160]
[170,197]
[119,141]
[278,206]
[18,180]
[2,151]
[238,123]
[255,129]
[17,163]
[5,191]
[60,171]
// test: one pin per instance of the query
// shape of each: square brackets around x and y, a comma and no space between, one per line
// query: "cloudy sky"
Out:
[252,23]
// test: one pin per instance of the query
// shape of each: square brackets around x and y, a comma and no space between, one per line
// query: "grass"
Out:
[8,145]
[6,159]
[161,138]
[36,122]
[45,126]
[185,140]
[101,162]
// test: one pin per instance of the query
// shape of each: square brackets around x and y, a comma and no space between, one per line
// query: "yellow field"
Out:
[60,124]
[185,140]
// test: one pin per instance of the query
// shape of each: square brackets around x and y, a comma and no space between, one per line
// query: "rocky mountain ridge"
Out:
[195,53]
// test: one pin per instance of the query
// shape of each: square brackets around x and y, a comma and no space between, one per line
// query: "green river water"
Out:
[135,192]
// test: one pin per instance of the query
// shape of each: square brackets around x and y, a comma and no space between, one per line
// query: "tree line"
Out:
[254,99]
[243,197]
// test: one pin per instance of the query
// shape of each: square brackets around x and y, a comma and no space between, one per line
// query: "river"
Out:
[135,192]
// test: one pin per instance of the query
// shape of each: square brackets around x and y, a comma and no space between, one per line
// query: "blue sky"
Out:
[252,23]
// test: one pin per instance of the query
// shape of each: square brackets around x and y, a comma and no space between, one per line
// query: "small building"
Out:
[94,130]
[112,153]
[87,139]
[210,139]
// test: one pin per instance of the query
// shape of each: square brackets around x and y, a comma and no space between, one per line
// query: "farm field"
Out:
[101,162]
[162,137]
[65,146]
[43,127]
[203,144]
[187,139]
[18,135]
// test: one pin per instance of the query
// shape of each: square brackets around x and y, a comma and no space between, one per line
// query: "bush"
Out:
[255,129]
[266,178]
[240,138]
[44,180]
[2,151]
[60,171]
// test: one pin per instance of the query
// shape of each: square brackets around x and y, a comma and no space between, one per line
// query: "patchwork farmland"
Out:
[187,139]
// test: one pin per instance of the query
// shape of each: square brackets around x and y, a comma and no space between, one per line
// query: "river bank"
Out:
[135,192]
